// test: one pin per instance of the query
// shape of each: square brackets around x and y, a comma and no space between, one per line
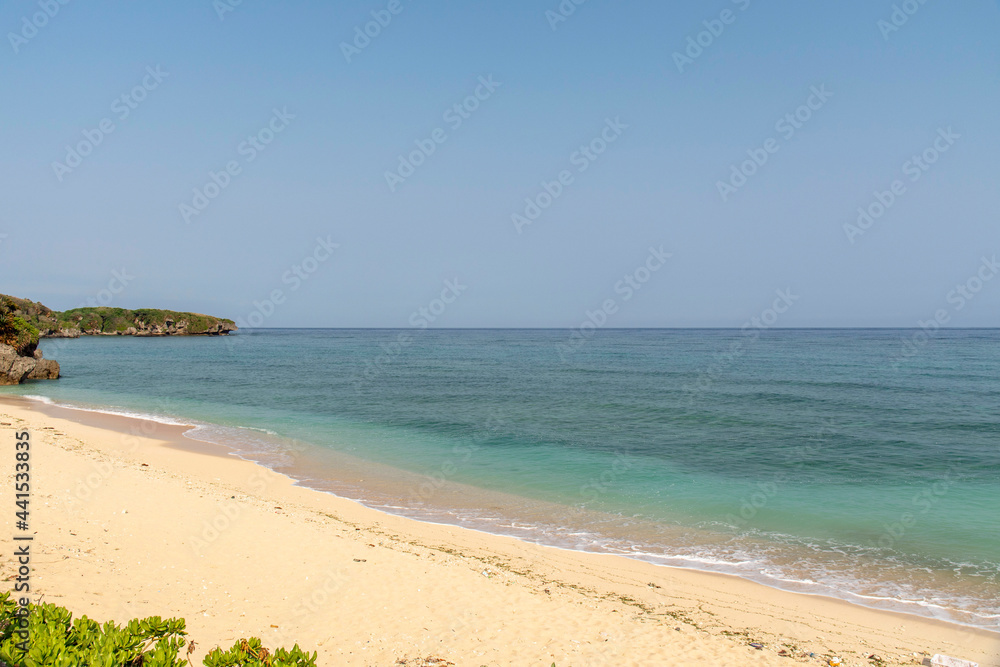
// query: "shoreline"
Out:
[639,600]
[361,489]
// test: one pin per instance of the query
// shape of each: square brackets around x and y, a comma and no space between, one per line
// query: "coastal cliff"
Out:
[20,358]
[24,322]
[105,321]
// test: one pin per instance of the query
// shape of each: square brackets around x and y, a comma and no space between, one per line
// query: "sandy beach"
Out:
[130,520]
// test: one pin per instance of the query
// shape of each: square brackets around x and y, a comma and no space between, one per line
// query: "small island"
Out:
[24,322]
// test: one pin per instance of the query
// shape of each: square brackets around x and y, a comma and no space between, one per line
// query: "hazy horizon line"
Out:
[570,328]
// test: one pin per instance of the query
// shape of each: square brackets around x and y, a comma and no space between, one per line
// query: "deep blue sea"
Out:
[862,464]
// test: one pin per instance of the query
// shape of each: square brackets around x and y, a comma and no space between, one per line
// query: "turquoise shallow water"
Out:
[858,463]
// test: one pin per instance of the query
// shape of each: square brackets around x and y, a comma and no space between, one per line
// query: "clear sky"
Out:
[309,129]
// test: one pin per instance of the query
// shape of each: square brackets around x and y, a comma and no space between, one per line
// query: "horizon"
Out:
[548,332]
[617,328]
[645,166]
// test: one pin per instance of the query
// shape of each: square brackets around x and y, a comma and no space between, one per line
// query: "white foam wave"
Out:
[734,563]
[118,412]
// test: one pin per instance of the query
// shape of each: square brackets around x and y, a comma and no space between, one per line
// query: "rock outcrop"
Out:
[45,369]
[24,322]
[106,321]
[16,368]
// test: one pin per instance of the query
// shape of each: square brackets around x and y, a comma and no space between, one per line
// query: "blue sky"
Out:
[341,126]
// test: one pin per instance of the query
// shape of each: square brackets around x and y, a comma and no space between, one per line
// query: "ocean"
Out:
[858,464]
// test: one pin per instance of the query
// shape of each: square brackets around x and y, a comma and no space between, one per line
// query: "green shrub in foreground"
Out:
[250,653]
[55,639]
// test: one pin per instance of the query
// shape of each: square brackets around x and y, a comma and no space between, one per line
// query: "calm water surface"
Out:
[857,463]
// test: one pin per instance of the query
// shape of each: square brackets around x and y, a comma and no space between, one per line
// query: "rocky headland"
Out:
[24,322]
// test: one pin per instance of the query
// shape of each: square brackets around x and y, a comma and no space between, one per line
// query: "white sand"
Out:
[118,539]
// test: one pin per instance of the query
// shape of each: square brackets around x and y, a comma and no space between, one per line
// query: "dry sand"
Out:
[123,528]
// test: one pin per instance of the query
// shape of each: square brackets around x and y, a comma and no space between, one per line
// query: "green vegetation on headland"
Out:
[16,331]
[23,322]
[105,321]
[46,635]
[20,358]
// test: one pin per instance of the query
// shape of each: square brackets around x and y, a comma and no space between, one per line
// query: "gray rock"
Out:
[45,369]
[14,368]
[61,333]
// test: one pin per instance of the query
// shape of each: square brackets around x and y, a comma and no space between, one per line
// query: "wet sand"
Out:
[239,550]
